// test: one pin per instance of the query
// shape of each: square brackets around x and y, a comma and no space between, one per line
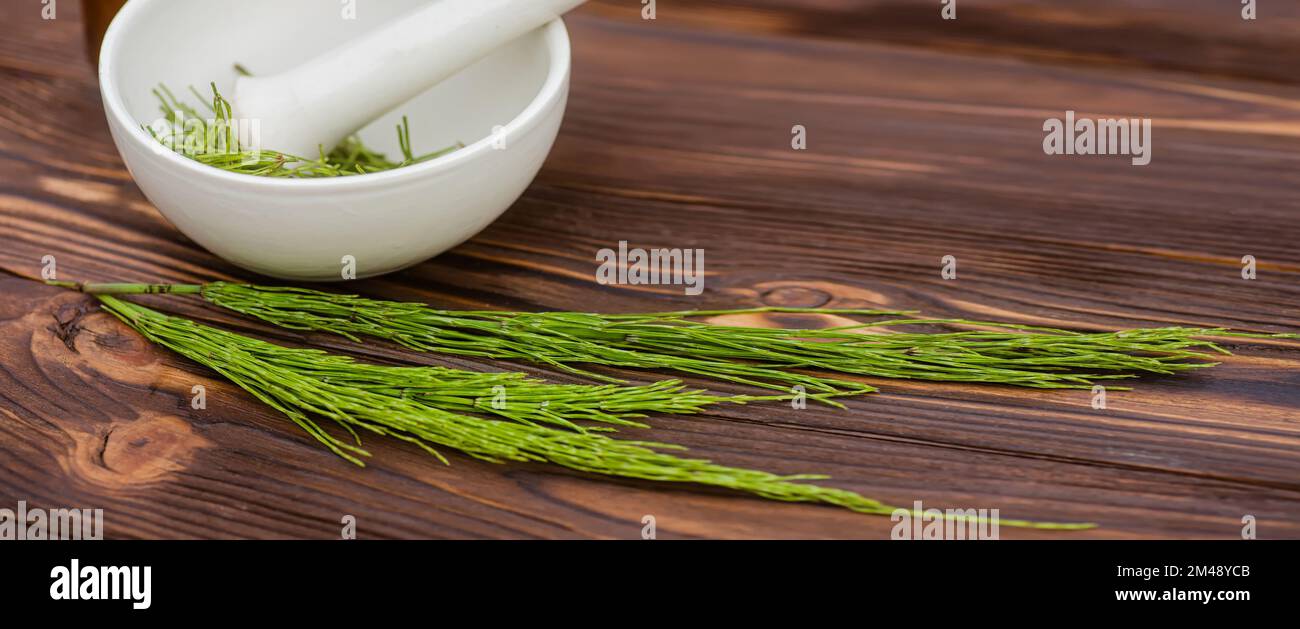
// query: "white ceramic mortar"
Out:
[303,229]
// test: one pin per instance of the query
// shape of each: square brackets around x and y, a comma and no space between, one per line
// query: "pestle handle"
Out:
[324,100]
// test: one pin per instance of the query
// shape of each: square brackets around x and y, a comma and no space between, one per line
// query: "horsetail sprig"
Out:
[773,358]
[307,384]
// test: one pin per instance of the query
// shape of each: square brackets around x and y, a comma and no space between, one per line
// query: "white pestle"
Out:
[322,101]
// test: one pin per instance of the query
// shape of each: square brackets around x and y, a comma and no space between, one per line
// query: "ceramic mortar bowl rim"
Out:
[557,44]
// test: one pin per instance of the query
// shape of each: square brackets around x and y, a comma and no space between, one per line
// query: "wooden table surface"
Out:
[924,141]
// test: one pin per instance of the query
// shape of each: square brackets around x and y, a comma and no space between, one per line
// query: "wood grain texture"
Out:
[924,141]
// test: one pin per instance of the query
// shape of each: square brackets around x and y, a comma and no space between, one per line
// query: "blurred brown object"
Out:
[97,14]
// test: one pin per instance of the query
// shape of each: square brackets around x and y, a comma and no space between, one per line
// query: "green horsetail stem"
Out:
[772,358]
[305,383]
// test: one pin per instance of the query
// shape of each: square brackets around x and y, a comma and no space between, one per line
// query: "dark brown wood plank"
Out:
[917,150]
[1200,36]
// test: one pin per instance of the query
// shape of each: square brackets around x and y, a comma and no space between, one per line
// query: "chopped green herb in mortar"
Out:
[214,140]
